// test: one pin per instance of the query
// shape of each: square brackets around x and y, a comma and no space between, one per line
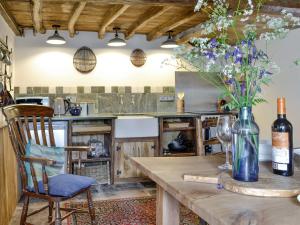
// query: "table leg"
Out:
[167,208]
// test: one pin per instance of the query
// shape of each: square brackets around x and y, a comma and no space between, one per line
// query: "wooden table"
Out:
[217,207]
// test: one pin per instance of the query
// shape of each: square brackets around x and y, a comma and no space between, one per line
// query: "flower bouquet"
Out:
[230,61]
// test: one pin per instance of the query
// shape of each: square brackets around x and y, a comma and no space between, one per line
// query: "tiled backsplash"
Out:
[91,89]
[115,99]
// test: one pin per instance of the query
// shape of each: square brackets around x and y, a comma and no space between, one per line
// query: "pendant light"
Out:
[170,42]
[56,39]
[116,41]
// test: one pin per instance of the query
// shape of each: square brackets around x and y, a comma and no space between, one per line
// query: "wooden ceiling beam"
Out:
[170,25]
[151,14]
[9,19]
[137,2]
[37,16]
[75,15]
[110,17]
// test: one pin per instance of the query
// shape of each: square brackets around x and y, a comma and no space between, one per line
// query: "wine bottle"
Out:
[282,142]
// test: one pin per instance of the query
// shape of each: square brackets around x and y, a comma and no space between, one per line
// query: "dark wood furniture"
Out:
[19,119]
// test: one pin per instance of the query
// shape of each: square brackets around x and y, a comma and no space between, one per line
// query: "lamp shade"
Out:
[56,39]
[116,41]
[170,42]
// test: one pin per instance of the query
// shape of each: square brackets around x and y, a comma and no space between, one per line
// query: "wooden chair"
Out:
[20,119]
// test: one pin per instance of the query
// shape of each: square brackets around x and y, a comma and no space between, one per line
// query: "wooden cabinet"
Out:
[125,150]
[91,133]
[9,194]
[169,130]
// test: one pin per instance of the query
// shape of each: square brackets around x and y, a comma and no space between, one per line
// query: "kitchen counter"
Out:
[115,115]
[101,116]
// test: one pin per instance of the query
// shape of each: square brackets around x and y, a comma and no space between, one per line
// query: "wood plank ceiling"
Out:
[153,18]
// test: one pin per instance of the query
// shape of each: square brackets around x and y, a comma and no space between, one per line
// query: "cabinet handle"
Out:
[119,172]
[118,148]
[153,147]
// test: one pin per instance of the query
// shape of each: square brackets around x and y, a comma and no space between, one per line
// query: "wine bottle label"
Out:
[280,150]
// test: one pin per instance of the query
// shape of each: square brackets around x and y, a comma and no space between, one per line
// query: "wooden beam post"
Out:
[152,13]
[37,16]
[74,17]
[9,18]
[180,3]
[167,208]
[170,25]
[110,17]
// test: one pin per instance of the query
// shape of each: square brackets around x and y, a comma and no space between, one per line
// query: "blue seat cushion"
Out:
[65,185]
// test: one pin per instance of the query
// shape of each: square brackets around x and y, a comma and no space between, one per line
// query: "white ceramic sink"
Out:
[131,126]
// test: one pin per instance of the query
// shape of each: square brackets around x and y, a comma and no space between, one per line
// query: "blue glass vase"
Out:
[245,142]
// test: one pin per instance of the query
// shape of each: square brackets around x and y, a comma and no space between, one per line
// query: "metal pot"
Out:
[75,110]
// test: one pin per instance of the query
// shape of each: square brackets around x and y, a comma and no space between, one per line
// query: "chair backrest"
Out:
[27,122]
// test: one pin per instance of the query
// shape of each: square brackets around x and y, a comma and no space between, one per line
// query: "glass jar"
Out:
[245,142]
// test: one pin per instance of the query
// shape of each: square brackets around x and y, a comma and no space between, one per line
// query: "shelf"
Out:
[90,130]
[101,159]
[180,154]
[167,129]
[212,141]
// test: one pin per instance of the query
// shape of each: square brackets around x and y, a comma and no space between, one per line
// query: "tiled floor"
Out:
[100,192]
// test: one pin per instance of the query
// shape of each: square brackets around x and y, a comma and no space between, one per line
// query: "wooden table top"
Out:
[217,207]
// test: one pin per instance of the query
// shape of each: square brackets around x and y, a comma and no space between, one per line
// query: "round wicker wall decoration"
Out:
[84,60]
[138,57]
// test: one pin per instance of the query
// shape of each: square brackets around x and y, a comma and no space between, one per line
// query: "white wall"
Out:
[41,64]
[287,84]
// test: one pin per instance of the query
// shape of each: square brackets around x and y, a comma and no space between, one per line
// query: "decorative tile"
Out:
[52,90]
[59,90]
[121,89]
[45,90]
[16,90]
[23,90]
[87,89]
[80,90]
[168,89]
[114,89]
[147,89]
[30,90]
[127,89]
[97,89]
[37,90]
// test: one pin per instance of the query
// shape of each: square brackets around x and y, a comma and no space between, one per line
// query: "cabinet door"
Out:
[123,166]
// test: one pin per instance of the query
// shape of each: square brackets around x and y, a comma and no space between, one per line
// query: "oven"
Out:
[33,100]
[60,128]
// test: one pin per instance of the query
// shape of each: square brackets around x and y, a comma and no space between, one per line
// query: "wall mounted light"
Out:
[116,41]
[56,39]
[170,42]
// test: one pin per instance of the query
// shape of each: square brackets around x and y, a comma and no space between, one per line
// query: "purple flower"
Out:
[243,88]
[213,43]
[209,55]
[249,43]
[227,55]
[229,81]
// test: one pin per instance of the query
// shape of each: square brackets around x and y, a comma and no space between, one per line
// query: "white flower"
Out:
[244,19]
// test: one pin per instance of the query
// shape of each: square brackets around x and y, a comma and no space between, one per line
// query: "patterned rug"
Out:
[133,211]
